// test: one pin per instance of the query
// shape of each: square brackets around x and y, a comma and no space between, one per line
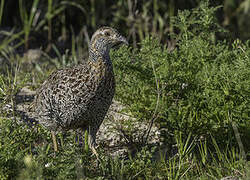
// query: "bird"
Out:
[79,97]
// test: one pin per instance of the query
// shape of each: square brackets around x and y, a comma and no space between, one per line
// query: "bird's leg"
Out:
[92,143]
[54,141]
[94,151]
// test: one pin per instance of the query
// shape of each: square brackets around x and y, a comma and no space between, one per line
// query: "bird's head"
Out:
[104,39]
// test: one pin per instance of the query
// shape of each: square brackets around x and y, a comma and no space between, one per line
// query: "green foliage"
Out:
[15,142]
[10,84]
[1,10]
[201,83]
[27,19]
[23,158]
[46,23]
[24,153]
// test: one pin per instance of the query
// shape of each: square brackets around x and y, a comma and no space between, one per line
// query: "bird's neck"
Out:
[99,52]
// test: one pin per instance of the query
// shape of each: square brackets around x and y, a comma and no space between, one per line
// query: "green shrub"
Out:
[201,87]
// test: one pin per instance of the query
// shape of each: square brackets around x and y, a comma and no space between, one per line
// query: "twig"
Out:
[237,136]
[155,115]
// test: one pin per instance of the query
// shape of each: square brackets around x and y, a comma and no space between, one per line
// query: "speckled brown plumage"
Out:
[80,96]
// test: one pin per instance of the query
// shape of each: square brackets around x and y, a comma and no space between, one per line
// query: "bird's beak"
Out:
[123,40]
[120,40]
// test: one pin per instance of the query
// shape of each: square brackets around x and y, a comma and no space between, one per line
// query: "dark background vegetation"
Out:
[136,18]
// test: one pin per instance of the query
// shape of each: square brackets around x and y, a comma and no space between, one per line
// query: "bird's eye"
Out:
[107,33]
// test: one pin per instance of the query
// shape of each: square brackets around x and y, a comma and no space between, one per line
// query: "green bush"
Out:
[201,87]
